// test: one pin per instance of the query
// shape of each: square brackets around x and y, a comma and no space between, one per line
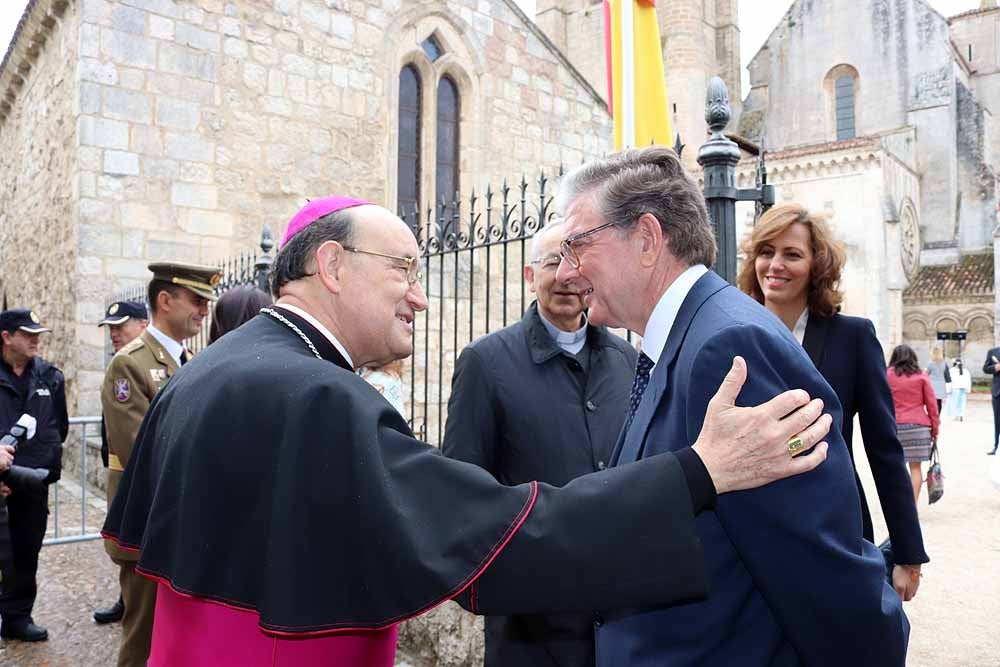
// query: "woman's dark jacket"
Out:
[847,353]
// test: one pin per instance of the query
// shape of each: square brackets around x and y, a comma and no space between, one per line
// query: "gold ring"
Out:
[795,446]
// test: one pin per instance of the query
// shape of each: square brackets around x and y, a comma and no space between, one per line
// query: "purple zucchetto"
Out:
[316,209]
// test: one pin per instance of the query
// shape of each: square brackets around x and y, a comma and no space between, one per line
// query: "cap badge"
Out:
[214,280]
[34,318]
[122,390]
[113,309]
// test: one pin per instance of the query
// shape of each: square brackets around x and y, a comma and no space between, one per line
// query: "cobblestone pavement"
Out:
[953,617]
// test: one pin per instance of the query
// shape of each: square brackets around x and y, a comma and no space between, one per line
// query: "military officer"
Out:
[178,297]
[125,320]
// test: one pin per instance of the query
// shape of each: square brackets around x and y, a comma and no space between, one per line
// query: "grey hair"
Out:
[651,180]
[293,258]
[536,240]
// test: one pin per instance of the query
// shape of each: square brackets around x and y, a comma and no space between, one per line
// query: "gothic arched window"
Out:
[448,112]
[844,95]
[408,171]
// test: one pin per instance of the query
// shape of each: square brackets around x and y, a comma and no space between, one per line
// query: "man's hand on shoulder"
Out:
[743,448]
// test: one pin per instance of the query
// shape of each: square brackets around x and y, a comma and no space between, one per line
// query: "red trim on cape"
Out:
[469,581]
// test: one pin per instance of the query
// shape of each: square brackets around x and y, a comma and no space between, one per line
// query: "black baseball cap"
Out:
[21,319]
[120,311]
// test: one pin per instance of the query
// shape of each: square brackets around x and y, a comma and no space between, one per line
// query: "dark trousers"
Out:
[28,513]
[996,420]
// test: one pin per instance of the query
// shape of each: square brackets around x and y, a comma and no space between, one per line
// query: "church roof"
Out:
[972,12]
[971,277]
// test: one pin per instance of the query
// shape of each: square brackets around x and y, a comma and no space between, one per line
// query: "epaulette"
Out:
[133,345]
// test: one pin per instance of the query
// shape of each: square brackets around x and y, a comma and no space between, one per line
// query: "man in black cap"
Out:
[28,385]
[125,320]
[178,297]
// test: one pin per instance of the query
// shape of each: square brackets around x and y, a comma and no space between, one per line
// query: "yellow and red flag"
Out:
[637,90]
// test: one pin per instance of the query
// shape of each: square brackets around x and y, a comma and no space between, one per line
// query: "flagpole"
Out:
[627,103]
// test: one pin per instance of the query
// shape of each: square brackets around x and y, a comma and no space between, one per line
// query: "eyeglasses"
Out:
[550,263]
[568,252]
[410,264]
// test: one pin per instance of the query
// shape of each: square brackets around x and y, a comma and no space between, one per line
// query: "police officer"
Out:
[125,320]
[178,297]
[28,384]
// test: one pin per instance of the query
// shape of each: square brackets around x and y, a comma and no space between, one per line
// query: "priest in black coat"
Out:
[276,497]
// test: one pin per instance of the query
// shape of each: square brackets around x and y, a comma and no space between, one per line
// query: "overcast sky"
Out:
[757,19]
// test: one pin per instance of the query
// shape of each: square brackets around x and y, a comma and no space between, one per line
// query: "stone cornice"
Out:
[34,28]
[826,159]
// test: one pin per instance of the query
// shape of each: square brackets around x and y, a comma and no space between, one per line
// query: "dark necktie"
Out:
[642,368]
[184,357]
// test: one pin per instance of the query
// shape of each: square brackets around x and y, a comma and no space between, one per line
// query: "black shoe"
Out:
[111,614]
[992,453]
[26,631]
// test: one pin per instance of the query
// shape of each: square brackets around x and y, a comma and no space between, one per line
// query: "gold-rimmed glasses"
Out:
[410,264]
[548,263]
[568,252]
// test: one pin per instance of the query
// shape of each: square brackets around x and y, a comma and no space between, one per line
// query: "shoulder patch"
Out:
[122,390]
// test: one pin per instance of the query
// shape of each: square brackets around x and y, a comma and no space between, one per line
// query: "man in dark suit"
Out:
[992,366]
[496,421]
[792,580]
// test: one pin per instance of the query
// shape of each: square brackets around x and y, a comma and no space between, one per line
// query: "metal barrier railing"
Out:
[75,490]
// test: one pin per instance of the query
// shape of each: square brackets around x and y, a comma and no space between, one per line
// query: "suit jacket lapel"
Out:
[160,353]
[632,442]
[814,340]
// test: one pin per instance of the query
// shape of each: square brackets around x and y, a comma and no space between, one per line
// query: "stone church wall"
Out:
[38,211]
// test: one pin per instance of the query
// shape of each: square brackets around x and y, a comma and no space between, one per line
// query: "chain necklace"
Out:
[284,320]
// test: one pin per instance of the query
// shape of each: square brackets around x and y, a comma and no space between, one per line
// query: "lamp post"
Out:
[718,158]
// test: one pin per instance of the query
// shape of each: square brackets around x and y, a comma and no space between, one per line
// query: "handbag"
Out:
[935,478]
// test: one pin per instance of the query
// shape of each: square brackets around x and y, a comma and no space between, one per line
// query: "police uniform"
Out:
[40,392]
[134,376]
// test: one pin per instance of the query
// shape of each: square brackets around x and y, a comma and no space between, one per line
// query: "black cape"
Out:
[269,480]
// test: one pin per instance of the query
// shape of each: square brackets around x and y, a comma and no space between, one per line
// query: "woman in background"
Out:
[388,380]
[793,267]
[937,372]
[917,419]
[961,385]
[235,308]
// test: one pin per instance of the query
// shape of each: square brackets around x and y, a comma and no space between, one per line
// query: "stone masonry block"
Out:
[177,251]
[146,140]
[99,240]
[121,162]
[193,195]
[208,223]
[177,114]
[127,268]
[255,77]
[197,38]
[110,187]
[126,105]
[315,15]
[165,7]
[103,132]
[96,71]
[95,211]
[90,40]
[126,49]
[160,27]
[143,217]
[176,59]
[133,79]
[234,47]
[128,19]
[343,26]
[133,243]
[189,147]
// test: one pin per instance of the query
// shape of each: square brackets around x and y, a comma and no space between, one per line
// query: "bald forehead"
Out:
[379,225]
[546,240]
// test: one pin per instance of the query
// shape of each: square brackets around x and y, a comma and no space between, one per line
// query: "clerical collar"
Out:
[571,341]
[173,348]
[320,328]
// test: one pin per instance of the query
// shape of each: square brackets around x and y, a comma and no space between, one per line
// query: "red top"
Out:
[914,399]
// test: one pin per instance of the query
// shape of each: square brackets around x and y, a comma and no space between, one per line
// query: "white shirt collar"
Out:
[320,328]
[661,320]
[571,341]
[800,326]
[172,347]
